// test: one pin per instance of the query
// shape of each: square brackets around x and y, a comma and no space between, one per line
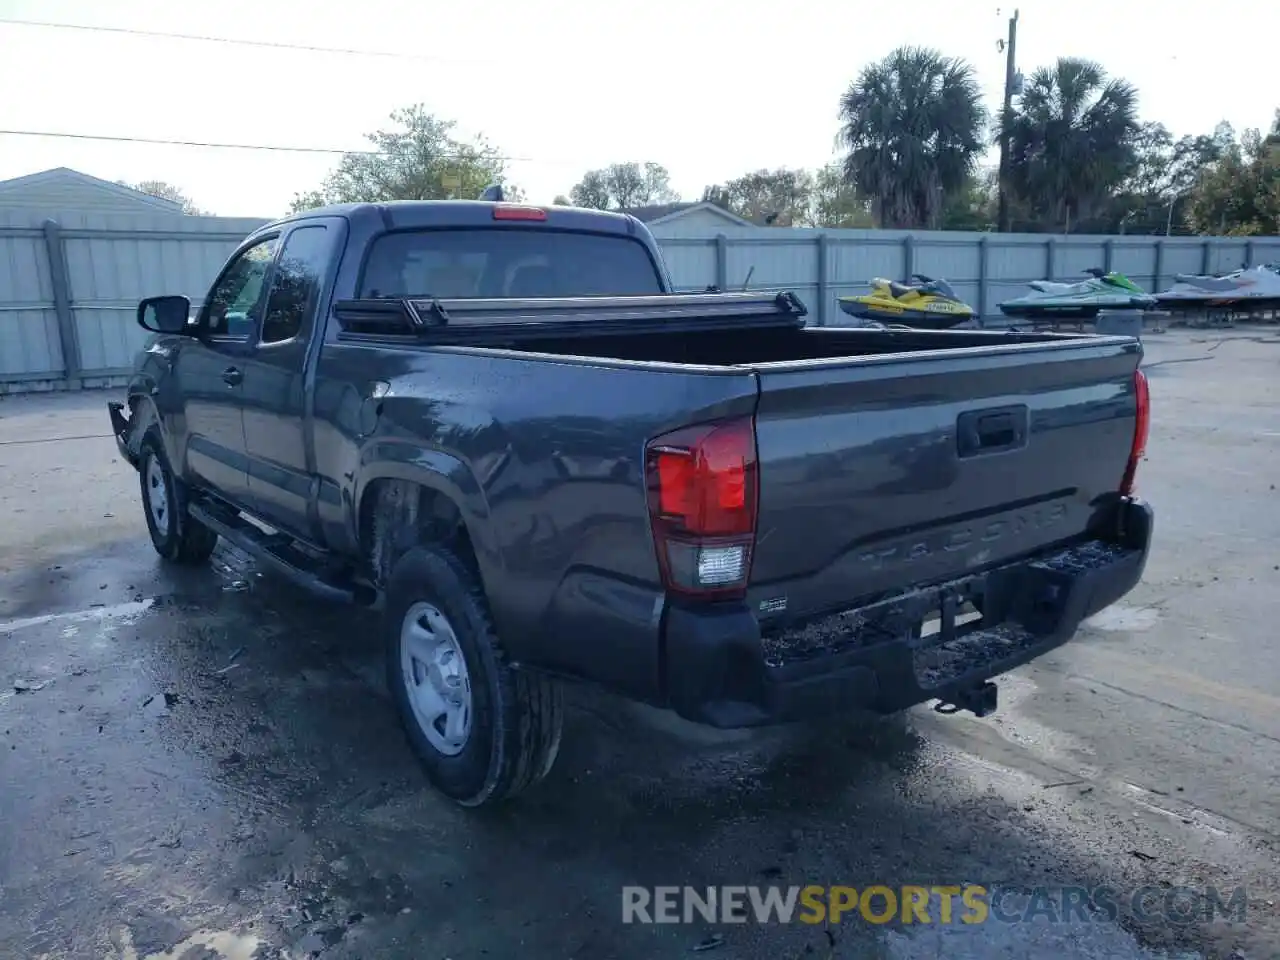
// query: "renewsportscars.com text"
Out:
[936,904]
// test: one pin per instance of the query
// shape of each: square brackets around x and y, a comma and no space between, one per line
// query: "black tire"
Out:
[176,535]
[516,717]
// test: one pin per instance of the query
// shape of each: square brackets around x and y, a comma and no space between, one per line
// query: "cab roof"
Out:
[424,214]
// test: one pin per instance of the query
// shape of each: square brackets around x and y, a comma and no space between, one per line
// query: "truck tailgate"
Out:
[886,472]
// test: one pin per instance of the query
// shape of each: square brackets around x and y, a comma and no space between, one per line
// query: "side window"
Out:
[296,284]
[239,291]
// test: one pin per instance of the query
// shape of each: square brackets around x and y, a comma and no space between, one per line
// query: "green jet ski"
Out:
[1079,301]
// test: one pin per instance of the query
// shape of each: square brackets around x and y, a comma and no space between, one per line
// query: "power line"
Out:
[275,148]
[202,38]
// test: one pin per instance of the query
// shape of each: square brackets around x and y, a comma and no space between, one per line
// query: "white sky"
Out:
[710,90]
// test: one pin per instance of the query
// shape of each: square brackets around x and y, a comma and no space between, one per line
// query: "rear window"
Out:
[502,263]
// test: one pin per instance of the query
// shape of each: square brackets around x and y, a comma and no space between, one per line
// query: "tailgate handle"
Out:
[991,431]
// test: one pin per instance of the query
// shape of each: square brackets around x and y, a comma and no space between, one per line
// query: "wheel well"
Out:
[397,515]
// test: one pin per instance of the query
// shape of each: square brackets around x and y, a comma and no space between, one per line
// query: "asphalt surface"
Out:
[205,763]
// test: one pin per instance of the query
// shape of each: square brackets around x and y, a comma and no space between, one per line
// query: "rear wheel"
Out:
[175,534]
[483,731]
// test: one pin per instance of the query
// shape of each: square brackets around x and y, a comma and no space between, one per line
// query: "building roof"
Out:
[67,175]
[661,212]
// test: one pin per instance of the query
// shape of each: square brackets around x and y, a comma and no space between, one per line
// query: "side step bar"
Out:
[277,551]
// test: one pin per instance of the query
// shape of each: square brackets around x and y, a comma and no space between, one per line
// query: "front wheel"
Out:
[483,731]
[175,534]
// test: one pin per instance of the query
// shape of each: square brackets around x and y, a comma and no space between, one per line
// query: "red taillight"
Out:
[1141,428]
[702,501]
[510,212]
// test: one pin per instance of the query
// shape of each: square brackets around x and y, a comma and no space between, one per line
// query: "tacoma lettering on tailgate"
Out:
[980,533]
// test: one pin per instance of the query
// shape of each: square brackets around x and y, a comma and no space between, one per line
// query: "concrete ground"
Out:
[205,763]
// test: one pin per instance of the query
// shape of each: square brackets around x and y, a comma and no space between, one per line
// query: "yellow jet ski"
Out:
[928,303]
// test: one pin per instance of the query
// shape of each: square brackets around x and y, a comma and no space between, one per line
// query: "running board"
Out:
[277,551]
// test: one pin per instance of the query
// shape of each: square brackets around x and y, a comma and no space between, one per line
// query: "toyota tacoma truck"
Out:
[498,426]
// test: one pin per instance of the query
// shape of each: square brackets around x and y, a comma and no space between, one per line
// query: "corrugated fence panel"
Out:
[113,265]
[1182,256]
[113,260]
[1137,261]
[1228,255]
[960,264]
[29,345]
[1073,259]
[856,262]
[1011,266]
[771,265]
[691,263]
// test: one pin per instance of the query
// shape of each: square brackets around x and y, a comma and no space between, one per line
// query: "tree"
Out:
[1147,196]
[561,201]
[165,191]
[624,186]
[913,125]
[592,191]
[974,207]
[836,203]
[1191,155]
[420,159]
[1072,140]
[771,197]
[1155,196]
[1239,194]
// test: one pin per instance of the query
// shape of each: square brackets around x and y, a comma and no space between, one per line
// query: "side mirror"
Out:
[166,315]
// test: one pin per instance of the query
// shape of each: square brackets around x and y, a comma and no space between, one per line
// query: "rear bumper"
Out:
[720,671]
[120,427]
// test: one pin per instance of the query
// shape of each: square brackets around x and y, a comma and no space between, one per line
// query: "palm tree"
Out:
[1071,141]
[913,124]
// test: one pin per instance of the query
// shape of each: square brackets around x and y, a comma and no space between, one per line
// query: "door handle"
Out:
[232,376]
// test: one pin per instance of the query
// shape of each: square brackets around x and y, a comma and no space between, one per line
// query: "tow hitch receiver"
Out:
[980,701]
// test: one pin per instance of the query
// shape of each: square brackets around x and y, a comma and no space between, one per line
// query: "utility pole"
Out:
[1005,117]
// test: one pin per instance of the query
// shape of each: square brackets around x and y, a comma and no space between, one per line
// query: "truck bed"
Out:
[698,329]
[753,346]
[892,457]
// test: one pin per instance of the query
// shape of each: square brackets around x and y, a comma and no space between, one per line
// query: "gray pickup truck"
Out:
[499,424]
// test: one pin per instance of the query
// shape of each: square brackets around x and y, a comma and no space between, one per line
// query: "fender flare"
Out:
[144,413]
[434,470]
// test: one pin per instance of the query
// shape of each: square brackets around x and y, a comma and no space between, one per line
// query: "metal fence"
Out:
[69,285]
[984,268]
